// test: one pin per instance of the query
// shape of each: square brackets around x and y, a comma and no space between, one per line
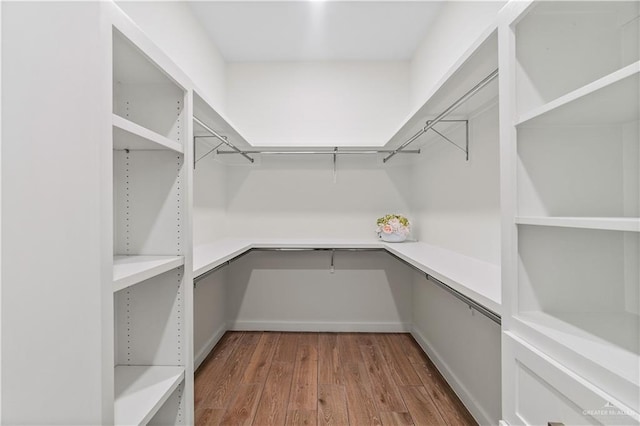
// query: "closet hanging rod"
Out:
[353,249]
[221,138]
[445,113]
[332,152]
[284,249]
[465,299]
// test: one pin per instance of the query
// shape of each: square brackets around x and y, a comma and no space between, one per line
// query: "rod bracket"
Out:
[466,133]
[445,113]
[221,138]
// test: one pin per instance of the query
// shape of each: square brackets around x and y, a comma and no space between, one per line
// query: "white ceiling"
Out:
[316,30]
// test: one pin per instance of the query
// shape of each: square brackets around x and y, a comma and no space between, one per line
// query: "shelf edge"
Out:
[602,223]
[164,397]
[145,274]
[579,93]
[149,135]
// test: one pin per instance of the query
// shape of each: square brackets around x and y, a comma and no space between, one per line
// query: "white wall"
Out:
[297,291]
[318,103]
[457,203]
[453,31]
[464,345]
[210,313]
[296,197]
[173,27]
[56,306]
[209,198]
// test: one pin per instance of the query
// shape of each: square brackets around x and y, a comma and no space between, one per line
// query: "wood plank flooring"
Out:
[269,378]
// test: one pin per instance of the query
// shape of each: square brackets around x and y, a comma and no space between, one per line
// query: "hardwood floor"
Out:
[269,378]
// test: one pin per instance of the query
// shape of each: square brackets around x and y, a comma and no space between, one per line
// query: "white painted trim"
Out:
[465,396]
[208,347]
[358,327]
[625,224]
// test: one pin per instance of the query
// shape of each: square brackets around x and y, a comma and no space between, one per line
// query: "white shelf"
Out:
[131,270]
[140,391]
[478,280]
[610,99]
[607,341]
[217,120]
[137,60]
[480,60]
[208,256]
[627,224]
[129,135]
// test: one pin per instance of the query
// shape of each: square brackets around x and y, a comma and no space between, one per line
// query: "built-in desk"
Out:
[474,280]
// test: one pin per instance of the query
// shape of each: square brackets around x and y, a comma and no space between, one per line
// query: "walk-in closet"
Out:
[343,212]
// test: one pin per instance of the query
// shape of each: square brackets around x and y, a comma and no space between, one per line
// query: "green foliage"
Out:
[387,218]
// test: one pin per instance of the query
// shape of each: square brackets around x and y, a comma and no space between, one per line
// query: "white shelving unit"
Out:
[593,337]
[129,135]
[479,281]
[571,209]
[479,61]
[608,99]
[140,391]
[151,232]
[131,270]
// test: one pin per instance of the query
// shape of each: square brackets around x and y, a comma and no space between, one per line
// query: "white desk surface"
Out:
[474,278]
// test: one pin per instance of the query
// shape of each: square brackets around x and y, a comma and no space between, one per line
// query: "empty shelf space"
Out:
[627,224]
[140,391]
[610,99]
[129,135]
[130,270]
[609,340]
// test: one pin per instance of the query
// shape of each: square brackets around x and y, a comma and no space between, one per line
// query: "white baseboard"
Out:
[359,327]
[465,396]
[204,351]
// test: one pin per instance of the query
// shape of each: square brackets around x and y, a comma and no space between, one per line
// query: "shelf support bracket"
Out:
[444,114]
[335,159]
[466,145]
[221,138]
[195,160]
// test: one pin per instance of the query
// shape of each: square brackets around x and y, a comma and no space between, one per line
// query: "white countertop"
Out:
[476,279]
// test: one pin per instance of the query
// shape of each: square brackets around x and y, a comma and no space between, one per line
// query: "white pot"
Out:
[394,237]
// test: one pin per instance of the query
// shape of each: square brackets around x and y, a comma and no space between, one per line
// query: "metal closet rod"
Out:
[281,249]
[465,299]
[221,138]
[335,151]
[317,249]
[443,114]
